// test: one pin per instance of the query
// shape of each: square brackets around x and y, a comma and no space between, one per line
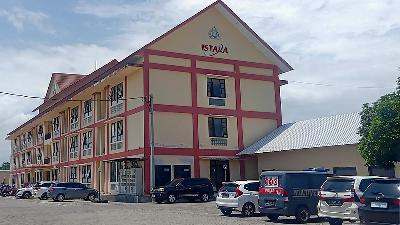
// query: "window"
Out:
[28,158]
[29,138]
[56,126]
[86,173]
[115,170]
[216,88]
[87,143]
[117,135]
[88,112]
[74,147]
[40,134]
[252,186]
[116,96]
[73,174]
[217,127]
[39,156]
[74,118]
[23,141]
[54,174]
[55,151]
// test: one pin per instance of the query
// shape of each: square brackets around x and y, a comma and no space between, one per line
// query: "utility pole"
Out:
[152,169]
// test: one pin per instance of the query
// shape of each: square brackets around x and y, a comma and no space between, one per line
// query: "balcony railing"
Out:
[219,141]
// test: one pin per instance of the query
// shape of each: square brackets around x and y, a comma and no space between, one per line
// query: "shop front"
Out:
[126,177]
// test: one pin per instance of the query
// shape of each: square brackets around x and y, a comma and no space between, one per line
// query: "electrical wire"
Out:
[336,85]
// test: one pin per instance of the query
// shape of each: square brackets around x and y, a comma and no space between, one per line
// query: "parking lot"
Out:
[33,211]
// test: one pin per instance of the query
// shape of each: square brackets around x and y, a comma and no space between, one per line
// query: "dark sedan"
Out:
[69,190]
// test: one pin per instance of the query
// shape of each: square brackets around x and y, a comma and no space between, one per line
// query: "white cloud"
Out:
[20,18]
[345,43]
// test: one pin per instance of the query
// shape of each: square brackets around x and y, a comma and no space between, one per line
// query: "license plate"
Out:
[270,203]
[382,205]
[225,195]
[335,202]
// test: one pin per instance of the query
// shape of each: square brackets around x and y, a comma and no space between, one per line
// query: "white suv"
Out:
[339,197]
[41,189]
[238,196]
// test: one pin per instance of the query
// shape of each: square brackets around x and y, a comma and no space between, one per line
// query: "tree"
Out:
[380,130]
[5,166]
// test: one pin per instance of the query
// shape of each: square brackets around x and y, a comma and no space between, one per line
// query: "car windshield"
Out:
[229,187]
[338,185]
[174,182]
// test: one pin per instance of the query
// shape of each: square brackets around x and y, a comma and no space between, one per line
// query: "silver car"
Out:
[340,197]
[41,189]
[70,190]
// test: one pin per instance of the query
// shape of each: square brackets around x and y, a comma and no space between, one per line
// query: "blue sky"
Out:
[346,44]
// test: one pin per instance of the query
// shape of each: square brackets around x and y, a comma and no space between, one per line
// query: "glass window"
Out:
[73,174]
[87,108]
[87,143]
[338,185]
[117,94]
[364,184]
[218,127]
[229,187]
[74,147]
[252,186]
[74,115]
[86,175]
[216,88]
[117,132]
[389,188]
[56,124]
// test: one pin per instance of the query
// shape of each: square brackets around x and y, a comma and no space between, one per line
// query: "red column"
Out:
[195,116]
[277,85]
[239,121]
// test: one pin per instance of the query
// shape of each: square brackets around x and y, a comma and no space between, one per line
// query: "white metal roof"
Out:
[321,132]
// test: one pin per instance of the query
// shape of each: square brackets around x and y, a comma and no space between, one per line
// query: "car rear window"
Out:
[229,187]
[364,184]
[46,185]
[338,185]
[252,186]
[391,189]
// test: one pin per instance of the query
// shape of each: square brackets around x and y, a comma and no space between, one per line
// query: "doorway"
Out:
[162,175]
[182,171]
[219,172]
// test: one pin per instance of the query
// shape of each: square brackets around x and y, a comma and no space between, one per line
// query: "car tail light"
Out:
[396,201]
[363,200]
[348,200]
[238,192]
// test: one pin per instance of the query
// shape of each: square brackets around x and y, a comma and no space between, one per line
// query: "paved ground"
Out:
[35,212]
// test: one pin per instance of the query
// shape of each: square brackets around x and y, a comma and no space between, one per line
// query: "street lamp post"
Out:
[152,169]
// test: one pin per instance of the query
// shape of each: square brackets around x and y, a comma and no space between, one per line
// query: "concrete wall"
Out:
[252,90]
[254,129]
[174,130]
[328,157]
[135,131]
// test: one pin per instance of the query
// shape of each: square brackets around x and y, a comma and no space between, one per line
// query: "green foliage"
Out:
[5,166]
[380,130]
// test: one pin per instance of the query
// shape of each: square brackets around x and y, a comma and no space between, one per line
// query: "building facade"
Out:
[216,90]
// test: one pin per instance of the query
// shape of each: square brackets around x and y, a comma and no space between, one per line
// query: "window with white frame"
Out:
[23,141]
[29,139]
[216,91]
[116,98]
[40,134]
[86,175]
[56,126]
[73,147]
[117,135]
[75,118]
[28,158]
[87,112]
[73,176]
[39,156]
[87,143]
[218,131]
[56,150]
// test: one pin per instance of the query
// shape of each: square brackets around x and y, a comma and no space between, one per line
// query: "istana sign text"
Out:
[211,50]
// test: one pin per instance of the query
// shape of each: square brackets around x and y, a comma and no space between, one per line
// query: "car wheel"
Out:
[43,197]
[273,217]
[248,209]
[205,197]
[171,198]
[91,197]
[60,197]
[302,215]
[334,221]
[26,195]
[226,212]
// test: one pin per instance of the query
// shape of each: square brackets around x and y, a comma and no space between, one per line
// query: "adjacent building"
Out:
[216,90]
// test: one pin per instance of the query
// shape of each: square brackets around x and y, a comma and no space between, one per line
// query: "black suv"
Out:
[188,188]
[381,203]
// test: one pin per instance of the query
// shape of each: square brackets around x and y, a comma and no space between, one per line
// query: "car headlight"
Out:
[161,189]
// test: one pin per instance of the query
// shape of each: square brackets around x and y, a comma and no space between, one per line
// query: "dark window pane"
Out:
[216,88]
[217,127]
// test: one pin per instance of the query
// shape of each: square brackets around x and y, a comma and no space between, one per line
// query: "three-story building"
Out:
[215,87]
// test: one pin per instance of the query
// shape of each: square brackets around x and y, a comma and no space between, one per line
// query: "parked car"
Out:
[70,190]
[239,196]
[381,203]
[189,188]
[290,193]
[40,190]
[26,192]
[339,197]
[8,190]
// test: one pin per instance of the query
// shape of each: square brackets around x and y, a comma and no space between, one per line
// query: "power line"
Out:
[337,85]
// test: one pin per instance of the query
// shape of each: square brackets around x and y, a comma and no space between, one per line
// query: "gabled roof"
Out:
[321,132]
[62,81]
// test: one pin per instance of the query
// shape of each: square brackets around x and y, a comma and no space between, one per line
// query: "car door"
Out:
[185,188]
[252,189]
